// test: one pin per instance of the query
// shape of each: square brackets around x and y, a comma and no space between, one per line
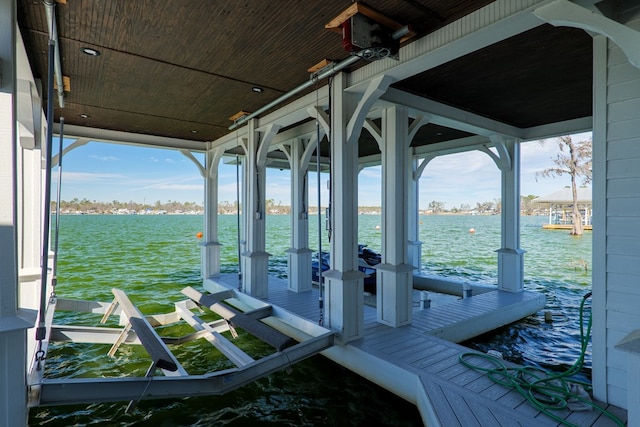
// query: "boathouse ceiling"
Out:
[181,69]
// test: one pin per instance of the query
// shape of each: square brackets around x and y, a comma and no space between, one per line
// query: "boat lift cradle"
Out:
[293,338]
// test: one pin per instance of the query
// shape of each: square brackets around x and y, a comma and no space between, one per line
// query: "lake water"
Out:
[153,257]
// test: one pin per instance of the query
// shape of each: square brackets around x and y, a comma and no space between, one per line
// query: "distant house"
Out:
[560,205]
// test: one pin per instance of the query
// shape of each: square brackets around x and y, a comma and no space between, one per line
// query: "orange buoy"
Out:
[199,234]
[472,230]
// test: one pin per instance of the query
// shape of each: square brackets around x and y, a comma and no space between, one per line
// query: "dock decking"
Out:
[565,227]
[416,364]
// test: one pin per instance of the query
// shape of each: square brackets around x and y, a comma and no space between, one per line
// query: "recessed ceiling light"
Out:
[90,51]
[194,131]
[84,116]
[257,89]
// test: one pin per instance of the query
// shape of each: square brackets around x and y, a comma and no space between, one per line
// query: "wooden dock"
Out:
[564,227]
[416,364]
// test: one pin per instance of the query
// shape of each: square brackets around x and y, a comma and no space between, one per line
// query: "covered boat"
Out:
[367,260]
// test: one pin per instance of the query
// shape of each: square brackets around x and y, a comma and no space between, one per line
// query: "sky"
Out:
[106,172]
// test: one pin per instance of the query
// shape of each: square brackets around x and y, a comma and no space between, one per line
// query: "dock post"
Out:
[255,260]
[510,255]
[344,284]
[413,211]
[210,266]
[299,254]
[395,273]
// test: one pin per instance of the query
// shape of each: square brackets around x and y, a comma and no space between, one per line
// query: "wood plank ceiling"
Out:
[181,69]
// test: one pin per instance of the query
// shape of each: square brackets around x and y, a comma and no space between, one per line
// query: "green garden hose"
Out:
[546,391]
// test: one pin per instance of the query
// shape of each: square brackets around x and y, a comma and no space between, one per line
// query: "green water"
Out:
[153,257]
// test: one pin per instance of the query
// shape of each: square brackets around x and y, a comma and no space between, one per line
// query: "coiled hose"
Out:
[546,391]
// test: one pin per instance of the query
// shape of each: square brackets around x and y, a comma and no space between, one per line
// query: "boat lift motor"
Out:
[370,40]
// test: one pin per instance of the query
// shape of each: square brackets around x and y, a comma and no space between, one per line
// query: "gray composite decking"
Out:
[459,396]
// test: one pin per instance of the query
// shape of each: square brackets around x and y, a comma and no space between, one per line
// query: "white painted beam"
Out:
[450,147]
[445,115]
[129,138]
[552,130]
[495,22]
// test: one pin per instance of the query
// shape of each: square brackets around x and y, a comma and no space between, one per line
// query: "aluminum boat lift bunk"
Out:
[292,337]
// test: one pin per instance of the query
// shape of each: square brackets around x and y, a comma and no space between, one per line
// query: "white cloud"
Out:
[178,187]
[87,177]
[103,158]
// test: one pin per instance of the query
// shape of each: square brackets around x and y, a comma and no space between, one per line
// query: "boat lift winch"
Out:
[292,337]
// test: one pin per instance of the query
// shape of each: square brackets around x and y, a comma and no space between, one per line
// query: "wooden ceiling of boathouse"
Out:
[181,69]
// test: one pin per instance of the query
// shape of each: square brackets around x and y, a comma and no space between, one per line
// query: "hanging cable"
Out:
[320,257]
[330,138]
[54,279]
[238,221]
[238,214]
[41,330]
[545,391]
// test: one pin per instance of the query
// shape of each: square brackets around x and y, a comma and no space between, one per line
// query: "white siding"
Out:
[620,207]
[617,247]
[624,149]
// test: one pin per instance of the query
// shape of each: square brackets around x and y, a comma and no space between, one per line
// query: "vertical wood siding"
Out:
[622,240]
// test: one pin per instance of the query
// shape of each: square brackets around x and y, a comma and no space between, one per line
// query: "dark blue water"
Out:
[154,257]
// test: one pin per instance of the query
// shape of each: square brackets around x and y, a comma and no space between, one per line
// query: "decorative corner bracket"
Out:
[502,159]
[568,14]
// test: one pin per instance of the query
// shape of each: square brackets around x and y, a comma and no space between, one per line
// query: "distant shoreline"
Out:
[78,213]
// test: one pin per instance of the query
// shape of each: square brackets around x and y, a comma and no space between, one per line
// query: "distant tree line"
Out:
[272,208]
[224,207]
[93,206]
[527,207]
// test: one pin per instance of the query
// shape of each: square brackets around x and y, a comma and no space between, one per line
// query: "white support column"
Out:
[395,274]
[210,266]
[13,323]
[344,284]
[413,226]
[255,260]
[344,299]
[510,255]
[413,208]
[299,252]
